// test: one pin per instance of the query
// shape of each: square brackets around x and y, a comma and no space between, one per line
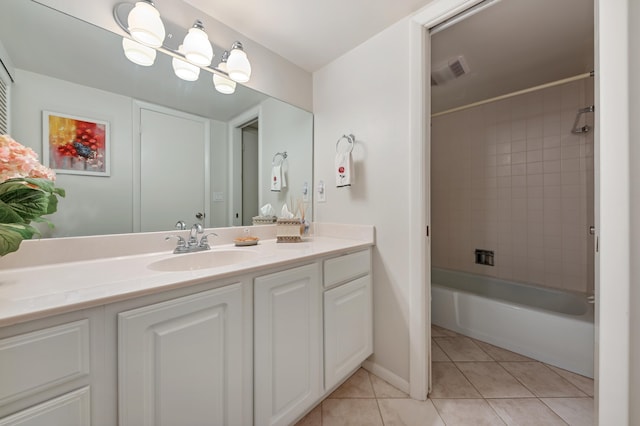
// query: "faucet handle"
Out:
[181,241]
[180,225]
[204,241]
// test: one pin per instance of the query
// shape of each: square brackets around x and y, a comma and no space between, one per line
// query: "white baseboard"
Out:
[386,375]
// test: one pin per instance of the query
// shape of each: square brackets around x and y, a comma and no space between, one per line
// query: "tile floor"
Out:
[474,383]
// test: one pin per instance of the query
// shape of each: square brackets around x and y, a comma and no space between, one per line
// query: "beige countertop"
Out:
[37,291]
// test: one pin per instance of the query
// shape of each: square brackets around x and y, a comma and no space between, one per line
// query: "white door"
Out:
[287,330]
[180,362]
[174,168]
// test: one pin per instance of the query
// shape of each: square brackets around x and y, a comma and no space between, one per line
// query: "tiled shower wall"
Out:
[510,176]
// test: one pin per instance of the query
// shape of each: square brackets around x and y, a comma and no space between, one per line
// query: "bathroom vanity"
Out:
[147,338]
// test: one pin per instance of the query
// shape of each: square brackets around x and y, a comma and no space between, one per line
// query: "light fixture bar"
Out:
[118,9]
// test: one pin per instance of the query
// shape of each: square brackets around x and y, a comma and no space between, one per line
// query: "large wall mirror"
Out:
[177,148]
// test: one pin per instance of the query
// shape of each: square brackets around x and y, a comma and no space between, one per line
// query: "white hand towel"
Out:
[344,169]
[276,178]
[283,176]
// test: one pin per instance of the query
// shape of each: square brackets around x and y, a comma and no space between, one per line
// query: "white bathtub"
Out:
[548,325]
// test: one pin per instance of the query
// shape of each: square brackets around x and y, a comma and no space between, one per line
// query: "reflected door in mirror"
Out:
[174,169]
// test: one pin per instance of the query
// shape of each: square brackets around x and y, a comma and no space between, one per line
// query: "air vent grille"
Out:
[454,68]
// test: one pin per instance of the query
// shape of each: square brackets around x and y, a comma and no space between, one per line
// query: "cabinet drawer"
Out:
[33,362]
[346,268]
[72,409]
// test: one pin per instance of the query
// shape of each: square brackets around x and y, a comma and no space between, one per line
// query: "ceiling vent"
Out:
[455,68]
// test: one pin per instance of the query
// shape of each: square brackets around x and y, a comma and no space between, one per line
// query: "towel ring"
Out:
[279,154]
[350,140]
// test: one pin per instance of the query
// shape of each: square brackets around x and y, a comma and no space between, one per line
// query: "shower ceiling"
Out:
[513,45]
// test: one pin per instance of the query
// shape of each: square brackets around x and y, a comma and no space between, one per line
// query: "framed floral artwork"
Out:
[75,145]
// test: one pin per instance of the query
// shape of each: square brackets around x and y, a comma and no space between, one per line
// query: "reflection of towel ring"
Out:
[277,154]
[350,139]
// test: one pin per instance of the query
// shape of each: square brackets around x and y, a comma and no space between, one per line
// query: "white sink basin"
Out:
[202,260]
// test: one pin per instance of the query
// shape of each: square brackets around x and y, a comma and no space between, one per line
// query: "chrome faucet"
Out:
[192,245]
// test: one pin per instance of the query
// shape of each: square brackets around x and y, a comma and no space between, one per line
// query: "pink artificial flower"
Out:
[18,161]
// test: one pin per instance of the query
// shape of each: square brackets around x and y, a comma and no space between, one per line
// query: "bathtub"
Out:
[548,325]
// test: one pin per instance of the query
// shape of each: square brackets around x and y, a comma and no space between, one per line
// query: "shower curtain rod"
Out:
[516,93]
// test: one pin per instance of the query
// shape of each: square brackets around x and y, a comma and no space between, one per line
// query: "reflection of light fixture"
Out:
[238,65]
[184,69]
[196,46]
[145,25]
[223,84]
[138,53]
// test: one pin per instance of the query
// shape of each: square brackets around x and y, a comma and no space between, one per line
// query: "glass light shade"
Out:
[223,84]
[184,69]
[138,53]
[197,48]
[238,66]
[145,25]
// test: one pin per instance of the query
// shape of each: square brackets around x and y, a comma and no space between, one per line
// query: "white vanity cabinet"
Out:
[348,321]
[287,344]
[180,362]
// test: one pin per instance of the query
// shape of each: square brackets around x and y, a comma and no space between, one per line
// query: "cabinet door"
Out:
[180,362]
[287,330]
[348,329]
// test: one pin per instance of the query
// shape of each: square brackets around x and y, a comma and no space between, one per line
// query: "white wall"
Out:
[285,128]
[634,160]
[353,95]
[93,205]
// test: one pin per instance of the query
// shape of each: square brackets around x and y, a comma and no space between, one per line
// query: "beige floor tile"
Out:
[449,382]
[437,354]
[493,381]
[314,418]
[585,384]
[409,412]
[525,412]
[352,412]
[466,412]
[356,386]
[500,354]
[575,411]
[541,380]
[461,349]
[437,331]
[382,389]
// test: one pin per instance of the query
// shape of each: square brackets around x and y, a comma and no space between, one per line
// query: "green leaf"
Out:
[11,235]
[7,215]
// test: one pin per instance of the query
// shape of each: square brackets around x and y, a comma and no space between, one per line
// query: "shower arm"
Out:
[584,129]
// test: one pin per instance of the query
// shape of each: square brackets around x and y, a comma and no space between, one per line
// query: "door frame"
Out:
[138,106]
[611,202]
[234,131]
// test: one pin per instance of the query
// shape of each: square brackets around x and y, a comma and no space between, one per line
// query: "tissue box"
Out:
[264,220]
[289,230]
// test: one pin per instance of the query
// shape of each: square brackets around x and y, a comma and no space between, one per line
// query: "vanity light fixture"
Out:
[196,46]
[138,53]
[145,25]
[223,84]
[184,69]
[238,65]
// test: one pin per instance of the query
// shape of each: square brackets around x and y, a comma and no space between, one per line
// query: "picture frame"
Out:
[76,145]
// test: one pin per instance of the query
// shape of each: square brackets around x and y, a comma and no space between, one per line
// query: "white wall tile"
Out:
[516,181]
